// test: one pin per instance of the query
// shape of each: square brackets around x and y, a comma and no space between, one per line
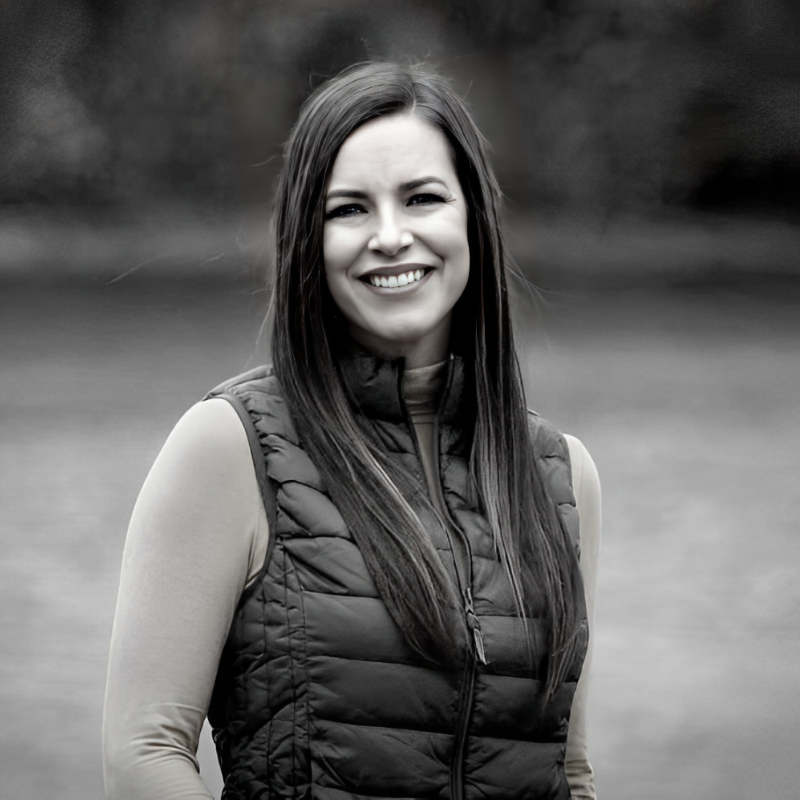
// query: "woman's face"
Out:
[395,238]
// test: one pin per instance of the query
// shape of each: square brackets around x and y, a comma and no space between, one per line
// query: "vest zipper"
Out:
[460,742]
[462,559]
[477,656]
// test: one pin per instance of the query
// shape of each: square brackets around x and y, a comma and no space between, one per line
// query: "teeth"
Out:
[395,281]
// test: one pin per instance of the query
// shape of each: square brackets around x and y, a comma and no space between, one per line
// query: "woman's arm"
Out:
[586,485]
[190,548]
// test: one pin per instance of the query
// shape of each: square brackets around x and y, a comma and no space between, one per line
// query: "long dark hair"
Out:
[529,538]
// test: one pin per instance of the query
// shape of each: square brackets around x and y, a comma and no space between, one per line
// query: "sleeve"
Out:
[194,531]
[586,485]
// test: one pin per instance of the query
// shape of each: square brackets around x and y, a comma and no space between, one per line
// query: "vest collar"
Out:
[374,386]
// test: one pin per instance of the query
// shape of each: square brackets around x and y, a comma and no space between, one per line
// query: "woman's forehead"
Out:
[393,150]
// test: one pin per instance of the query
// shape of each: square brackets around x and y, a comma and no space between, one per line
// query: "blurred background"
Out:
[650,154]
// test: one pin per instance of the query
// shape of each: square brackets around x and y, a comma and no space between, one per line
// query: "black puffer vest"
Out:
[318,695]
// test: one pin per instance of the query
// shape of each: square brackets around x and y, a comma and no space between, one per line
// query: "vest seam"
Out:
[439,733]
[303,667]
[449,734]
[306,699]
[377,661]
[239,397]
[267,682]
[336,594]
[292,665]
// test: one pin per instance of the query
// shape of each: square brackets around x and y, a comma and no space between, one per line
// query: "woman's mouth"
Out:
[396,281]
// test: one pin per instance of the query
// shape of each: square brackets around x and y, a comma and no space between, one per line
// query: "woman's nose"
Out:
[390,235]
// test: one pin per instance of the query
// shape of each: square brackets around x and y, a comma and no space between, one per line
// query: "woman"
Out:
[363,563]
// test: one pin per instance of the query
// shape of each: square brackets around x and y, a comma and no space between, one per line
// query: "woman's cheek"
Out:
[447,236]
[339,248]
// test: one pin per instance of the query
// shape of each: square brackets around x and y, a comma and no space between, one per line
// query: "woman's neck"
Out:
[430,348]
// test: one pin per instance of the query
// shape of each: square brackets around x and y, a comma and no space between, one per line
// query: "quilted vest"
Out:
[317,694]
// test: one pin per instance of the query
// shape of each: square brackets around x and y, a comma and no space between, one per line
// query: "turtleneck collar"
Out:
[423,387]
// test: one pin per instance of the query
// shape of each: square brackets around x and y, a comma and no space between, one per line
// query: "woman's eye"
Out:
[349,210]
[425,200]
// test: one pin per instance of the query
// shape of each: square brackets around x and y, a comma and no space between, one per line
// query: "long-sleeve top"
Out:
[198,536]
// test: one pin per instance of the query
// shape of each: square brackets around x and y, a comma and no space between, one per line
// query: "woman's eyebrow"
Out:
[403,187]
[415,184]
[359,195]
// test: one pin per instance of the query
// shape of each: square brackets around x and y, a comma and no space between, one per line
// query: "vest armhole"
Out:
[547,443]
[265,486]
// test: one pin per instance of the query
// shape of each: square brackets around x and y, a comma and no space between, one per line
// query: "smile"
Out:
[395,281]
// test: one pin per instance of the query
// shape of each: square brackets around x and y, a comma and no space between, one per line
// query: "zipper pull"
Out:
[480,653]
[475,626]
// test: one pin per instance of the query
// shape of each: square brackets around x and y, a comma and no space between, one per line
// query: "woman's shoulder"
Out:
[206,454]
[260,380]
[585,478]
[209,430]
[586,488]
[258,398]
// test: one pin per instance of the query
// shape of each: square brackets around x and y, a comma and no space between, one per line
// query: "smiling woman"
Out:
[364,563]
[395,243]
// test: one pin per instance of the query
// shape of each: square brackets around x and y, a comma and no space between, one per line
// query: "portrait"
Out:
[400,399]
